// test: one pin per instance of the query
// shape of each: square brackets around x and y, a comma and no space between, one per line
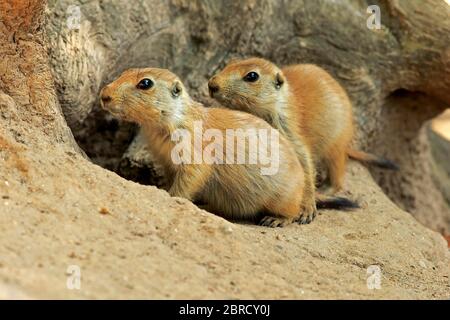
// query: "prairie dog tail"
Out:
[338,203]
[372,159]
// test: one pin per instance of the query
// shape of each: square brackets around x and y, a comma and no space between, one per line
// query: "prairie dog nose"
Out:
[104,96]
[213,86]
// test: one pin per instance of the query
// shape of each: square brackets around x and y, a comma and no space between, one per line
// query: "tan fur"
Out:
[231,190]
[310,108]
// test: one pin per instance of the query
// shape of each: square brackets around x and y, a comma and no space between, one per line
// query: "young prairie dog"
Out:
[157,100]
[303,102]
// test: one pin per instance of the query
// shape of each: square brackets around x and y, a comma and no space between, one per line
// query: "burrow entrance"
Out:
[405,132]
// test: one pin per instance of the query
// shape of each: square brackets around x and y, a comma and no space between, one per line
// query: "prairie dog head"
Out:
[253,85]
[149,95]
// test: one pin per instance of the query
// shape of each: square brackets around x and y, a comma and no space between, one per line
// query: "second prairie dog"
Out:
[157,100]
[305,103]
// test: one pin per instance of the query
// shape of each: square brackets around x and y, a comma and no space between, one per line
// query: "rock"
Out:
[138,164]
[55,244]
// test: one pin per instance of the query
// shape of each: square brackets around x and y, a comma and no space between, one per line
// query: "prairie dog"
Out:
[158,101]
[305,103]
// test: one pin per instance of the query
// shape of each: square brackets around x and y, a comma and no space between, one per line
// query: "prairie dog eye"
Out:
[145,84]
[251,77]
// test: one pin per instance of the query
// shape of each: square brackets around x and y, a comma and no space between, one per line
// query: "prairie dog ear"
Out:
[279,80]
[176,89]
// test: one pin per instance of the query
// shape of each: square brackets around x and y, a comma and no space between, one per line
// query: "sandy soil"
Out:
[134,241]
